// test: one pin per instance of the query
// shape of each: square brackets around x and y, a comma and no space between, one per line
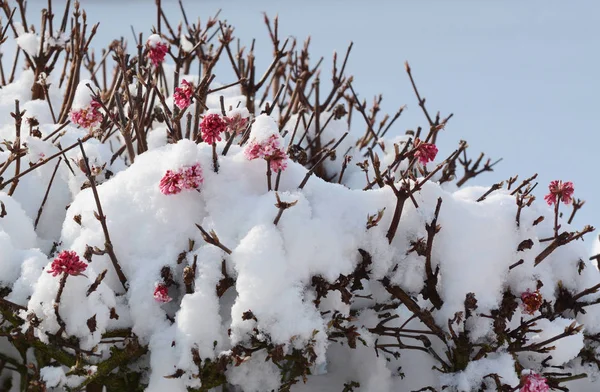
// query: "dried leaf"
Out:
[91,323]
[96,283]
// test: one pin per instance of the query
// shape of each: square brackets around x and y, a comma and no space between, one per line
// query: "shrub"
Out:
[265,234]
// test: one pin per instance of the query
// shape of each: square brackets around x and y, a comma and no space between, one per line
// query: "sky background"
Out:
[521,77]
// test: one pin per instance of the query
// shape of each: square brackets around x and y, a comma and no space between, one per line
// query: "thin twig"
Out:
[108,247]
[39,214]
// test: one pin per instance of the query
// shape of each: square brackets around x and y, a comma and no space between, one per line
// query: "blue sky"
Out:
[520,77]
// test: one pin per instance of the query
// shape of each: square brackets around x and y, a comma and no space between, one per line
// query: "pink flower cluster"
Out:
[87,117]
[212,126]
[270,150]
[534,383]
[189,177]
[425,152]
[559,191]
[157,50]
[236,124]
[67,262]
[161,293]
[183,94]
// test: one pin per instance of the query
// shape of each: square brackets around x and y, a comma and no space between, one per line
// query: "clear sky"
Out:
[520,77]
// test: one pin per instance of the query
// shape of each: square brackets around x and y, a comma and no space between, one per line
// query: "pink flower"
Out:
[212,125]
[559,191]
[171,183]
[157,50]
[236,124]
[269,150]
[161,293]
[278,160]
[533,382]
[531,301]
[189,177]
[425,152]
[253,151]
[183,94]
[67,262]
[87,117]
[192,177]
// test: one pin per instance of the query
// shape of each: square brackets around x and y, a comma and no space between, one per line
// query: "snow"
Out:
[153,40]
[474,375]
[30,43]
[83,96]
[53,375]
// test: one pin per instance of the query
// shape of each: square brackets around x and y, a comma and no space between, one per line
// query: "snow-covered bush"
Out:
[162,232]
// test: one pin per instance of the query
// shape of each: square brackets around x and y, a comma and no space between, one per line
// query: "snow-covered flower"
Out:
[189,177]
[161,293]
[157,49]
[68,262]
[278,160]
[183,94]
[559,191]
[253,151]
[87,117]
[532,300]
[211,126]
[236,124]
[425,152]
[171,183]
[533,382]
[269,150]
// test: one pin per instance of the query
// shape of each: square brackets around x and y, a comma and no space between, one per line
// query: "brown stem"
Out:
[215,158]
[269,188]
[102,218]
[39,214]
[61,287]
[423,315]
[323,157]
[211,238]
[18,116]
[432,277]
[493,188]
[282,207]
[556,206]
[401,197]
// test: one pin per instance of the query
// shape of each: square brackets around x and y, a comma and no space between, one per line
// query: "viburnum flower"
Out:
[183,94]
[425,152]
[559,191]
[192,176]
[87,117]
[236,124]
[189,177]
[161,293]
[278,160]
[531,301]
[67,262]
[171,183]
[533,382]
[211,127]
[254,151]
[269,150]
[157,50]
